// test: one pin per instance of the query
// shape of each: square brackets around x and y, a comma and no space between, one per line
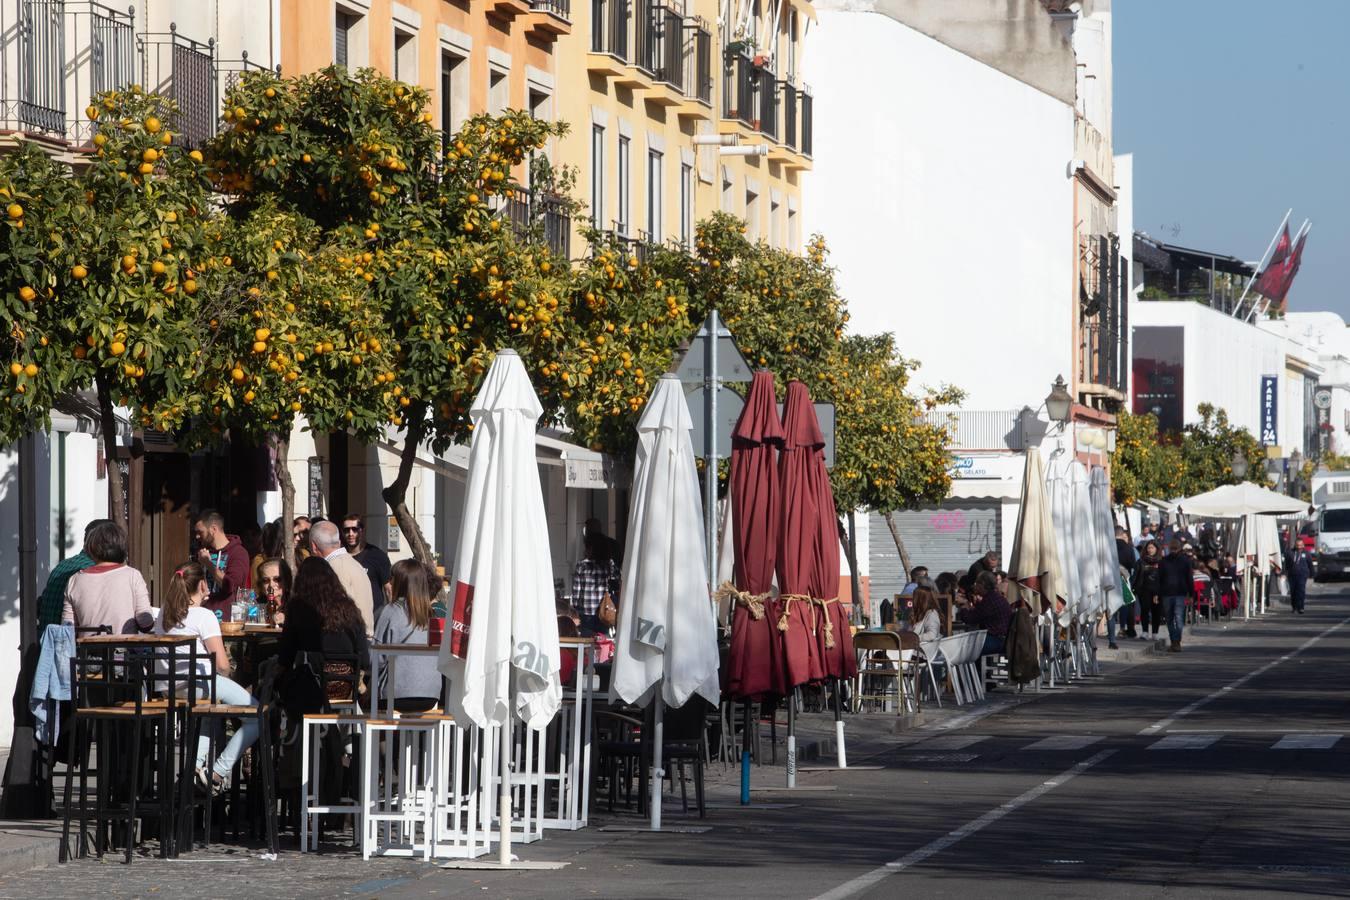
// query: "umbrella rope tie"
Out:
[752,602]
[825,614]
[787,607]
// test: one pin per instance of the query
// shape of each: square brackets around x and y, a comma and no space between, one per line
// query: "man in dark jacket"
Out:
[1127,557]
[989,610]
[1298,568]
[1176,575]
[224,558]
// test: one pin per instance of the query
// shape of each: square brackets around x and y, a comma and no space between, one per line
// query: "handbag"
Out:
[608,613]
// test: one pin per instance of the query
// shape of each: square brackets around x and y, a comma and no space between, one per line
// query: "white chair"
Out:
[929,654]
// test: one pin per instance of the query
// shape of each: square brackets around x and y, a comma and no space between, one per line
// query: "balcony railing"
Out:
[806,132]
[698,76]
[740,89]
[609,28]
[560,8]
[545,215]
[183,70]
[985,429]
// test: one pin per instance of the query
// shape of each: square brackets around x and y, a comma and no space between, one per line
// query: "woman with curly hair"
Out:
[322,620]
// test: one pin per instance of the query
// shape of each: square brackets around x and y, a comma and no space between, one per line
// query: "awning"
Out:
[985,489]
[1232,500]
[76,412]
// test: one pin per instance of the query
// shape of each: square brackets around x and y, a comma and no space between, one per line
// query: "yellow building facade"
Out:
[640,80]
[473,56]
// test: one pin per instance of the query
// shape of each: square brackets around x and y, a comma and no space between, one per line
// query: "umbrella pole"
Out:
[841,756]
[658,744]
[792,739]
[504,797]
[746,746]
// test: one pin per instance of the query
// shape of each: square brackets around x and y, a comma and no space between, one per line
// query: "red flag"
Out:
[1294,262]
[1272,276]
[1275,282]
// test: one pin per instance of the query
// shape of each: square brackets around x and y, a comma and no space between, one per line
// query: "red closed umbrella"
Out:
[798,614]
[753,667]
[834,634]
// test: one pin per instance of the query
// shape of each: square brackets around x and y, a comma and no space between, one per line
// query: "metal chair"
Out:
[883,658]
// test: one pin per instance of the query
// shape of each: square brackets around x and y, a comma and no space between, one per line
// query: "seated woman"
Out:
[988,610]
[926,621]
[183,614]
[109,592]
[417,680]
[274,579]
[321,619]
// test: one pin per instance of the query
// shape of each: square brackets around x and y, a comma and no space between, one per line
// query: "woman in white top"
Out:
[183,613]
[925,620]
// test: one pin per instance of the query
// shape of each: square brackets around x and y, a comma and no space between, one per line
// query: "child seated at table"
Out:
[183,614]
[417,680]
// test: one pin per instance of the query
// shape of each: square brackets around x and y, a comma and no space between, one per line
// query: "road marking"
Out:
[1064,742]
[869,879]
[949,742]
[1185,742]
[1306,742]
[939,758]
[1162,724]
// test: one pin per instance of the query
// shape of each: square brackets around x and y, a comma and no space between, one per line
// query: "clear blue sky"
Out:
[1236,110]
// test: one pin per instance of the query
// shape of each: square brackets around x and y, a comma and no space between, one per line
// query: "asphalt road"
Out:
[1221,771]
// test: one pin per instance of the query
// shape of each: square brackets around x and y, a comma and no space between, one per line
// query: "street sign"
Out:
[729,406]
[825,416]
[731,365]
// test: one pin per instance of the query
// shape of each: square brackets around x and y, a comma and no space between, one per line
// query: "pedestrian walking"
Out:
[595,576]
[1298,568]
[1176,573]
[1127,558]
[1147,585]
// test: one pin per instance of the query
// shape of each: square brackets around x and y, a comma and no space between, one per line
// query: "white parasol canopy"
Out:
[667,631]
[1035,566]
[1104,542]
[504,623]
[1234,500]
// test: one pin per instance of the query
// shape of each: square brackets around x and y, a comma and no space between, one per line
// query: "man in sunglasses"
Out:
[300,533]
[372,558]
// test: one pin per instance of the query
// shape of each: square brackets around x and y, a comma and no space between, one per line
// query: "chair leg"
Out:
[106,757]
[135,789]
[63,854]
[268,772]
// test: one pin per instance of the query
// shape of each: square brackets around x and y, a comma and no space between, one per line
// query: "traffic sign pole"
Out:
[710,439]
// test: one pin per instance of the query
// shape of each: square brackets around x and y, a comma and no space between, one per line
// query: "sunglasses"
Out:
[351,529]
[271,579]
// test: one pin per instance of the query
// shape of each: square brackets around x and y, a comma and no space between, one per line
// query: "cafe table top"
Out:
[138,640]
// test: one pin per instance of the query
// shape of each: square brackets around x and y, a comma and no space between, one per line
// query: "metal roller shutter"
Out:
[945,539]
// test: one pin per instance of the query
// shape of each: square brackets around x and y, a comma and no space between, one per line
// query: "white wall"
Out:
[941,185]
[1224,360]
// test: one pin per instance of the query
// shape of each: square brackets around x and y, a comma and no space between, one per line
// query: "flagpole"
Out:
[1262,265]
[1293,247]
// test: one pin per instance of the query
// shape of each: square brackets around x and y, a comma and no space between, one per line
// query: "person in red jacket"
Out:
[224,559]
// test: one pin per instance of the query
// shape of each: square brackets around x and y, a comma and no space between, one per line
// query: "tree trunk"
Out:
[281,446]
[848,538]
[899,544]
[396,494]
[117,507]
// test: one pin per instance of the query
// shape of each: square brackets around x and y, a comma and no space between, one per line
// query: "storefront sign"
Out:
[1269,410]
[972,467]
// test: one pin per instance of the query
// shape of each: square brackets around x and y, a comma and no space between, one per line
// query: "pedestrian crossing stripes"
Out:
[1307,742]
[1065,742]
[951,742]
[1185,742]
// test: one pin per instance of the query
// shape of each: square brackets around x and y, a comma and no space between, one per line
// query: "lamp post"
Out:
[1295,473]
[1239,465]
[1059,402]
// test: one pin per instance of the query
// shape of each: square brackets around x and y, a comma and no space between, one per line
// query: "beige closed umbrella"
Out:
[1033,571]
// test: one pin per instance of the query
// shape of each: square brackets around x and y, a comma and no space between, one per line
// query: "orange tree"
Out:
[1144,464]
[111,266]
[887,456]
[290,337]
[425,237]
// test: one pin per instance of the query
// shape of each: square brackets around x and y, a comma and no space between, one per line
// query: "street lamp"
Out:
[1295,472]
[1059,402]
[1239,465]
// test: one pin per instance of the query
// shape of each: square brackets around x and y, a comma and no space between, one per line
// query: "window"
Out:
[792,47]
[499,90]
[751,214]
[775,236]
[794,231]
[405,57]
[342,37]
[454,95]
[686,204]
[625,184]
[597,176]
[728,193]
[654,210]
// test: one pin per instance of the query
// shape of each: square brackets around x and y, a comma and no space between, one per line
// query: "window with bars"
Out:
[655,162]
[625,185]
[686,204]
[597,176]
[342,35]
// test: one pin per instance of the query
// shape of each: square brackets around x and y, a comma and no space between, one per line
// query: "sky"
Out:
[1235,111]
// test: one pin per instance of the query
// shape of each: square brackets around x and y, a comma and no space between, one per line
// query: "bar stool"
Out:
[114,713]
[214,713]
[339,680]
[406,797]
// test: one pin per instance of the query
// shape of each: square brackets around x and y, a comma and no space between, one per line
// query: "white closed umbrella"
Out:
[1084,546]
[665,650]
[501,652]
[1034,567]
[1104,535]
[1059,487]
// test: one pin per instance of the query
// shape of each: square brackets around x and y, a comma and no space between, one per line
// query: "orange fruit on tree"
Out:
[237,373]
[78,272]
[27,294]
[190,286]
[149,154]
[16,369]
[249,396]
[145,168]
[91,112]
[117,348]
[262,334]
[158,267]
[152,124]
[14,211]
[80,353]
[259,346]
[196,155]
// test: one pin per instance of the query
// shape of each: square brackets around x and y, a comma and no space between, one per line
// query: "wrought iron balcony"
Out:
[184,70]
[52,88]
[610,27]
[541,215]
[560,8]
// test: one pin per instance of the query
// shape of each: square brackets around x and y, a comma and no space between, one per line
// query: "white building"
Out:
[968,197]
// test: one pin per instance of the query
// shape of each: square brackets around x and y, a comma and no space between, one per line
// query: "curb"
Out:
[23,849]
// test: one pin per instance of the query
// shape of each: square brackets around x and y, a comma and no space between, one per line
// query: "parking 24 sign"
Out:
[1269,410]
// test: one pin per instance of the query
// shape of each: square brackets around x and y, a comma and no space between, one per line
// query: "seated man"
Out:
[989,610]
